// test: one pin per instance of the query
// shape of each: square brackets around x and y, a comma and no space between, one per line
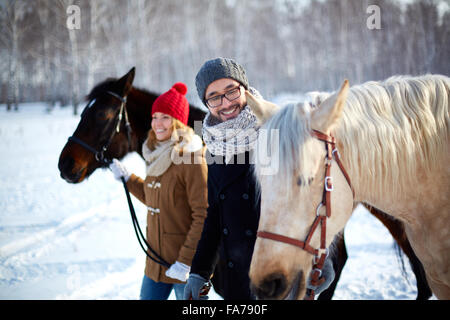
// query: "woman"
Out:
[174,191]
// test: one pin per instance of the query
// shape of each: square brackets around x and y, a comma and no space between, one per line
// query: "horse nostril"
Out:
[65,165]
[272,287]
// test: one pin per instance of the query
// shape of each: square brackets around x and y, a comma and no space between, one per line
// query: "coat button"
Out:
[222,196]
[230,264]
[248,233]
[225,231]
[245,196]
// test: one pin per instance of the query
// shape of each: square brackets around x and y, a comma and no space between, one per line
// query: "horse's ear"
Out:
[327,115]
[262,109]
[125,83]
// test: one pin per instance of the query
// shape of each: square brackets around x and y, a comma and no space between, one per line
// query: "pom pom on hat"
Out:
[180,87]
[173,103]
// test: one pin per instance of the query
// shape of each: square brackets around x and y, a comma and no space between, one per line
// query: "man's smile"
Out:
[230,113]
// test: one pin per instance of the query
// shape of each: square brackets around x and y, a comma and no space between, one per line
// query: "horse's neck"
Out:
[362,176]
[139,112]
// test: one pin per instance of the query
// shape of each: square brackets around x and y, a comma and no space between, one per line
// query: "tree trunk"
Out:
[75,94]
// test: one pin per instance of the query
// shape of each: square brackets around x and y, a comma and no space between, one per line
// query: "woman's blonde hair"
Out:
[176,124]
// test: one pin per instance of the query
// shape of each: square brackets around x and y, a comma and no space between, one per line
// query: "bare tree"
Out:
[12,14]
[99,13]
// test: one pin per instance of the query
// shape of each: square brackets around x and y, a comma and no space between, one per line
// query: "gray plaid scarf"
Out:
[234,136]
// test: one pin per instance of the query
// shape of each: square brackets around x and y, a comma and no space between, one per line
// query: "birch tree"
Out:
[12,14]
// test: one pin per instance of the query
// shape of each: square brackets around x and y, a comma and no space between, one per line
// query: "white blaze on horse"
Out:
[382,143]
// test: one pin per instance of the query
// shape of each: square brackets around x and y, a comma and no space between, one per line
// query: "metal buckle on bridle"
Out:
[337,152]
[318,208]
[319,270]
[99,155]
[328,178]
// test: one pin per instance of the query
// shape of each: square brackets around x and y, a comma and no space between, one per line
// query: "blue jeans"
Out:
[152,290]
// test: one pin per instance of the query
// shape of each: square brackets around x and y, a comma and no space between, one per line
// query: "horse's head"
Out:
[97,124]
[290,198]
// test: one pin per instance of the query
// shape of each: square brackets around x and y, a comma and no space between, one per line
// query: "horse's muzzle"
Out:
[66,167]
[274,286]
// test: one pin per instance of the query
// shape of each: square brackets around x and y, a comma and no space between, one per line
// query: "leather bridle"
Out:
[320,253]
[123,114]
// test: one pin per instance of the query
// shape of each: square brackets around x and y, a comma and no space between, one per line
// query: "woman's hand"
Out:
[119,170]
[178,271]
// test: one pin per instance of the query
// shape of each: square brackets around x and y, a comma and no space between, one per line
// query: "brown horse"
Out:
[76,162]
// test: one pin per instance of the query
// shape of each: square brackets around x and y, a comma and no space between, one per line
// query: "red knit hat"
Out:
[173,103]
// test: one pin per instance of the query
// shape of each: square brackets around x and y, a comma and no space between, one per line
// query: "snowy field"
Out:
[64,241]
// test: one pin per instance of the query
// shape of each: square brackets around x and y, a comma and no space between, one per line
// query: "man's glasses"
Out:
[231,95]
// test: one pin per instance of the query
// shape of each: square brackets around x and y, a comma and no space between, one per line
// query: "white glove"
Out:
[119,170]
[178,271]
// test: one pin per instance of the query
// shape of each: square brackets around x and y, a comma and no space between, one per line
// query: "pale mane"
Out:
[293,127]
[389,130]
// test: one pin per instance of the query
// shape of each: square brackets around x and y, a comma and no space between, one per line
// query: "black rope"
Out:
[140,236]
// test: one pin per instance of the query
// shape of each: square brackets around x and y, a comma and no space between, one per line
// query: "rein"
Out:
[320,253]
[100,157]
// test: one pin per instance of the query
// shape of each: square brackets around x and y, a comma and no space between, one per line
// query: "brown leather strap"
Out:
[323,137]
[328,139]
[288,240]
[344,172]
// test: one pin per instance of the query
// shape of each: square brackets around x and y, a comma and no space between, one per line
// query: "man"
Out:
[230,133]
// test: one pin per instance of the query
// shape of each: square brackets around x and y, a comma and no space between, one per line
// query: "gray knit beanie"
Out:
[219,68]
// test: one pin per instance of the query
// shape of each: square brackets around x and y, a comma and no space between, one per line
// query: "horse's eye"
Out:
[102,116]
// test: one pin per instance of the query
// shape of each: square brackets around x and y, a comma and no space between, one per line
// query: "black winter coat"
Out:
[229,232]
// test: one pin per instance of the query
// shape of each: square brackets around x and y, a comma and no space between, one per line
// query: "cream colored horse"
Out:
[393,140]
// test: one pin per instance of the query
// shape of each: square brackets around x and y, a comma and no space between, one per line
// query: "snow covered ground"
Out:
[64,241]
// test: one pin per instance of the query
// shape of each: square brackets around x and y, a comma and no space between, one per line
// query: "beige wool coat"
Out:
[177,202]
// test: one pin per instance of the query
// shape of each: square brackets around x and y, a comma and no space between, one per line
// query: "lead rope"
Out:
[137,229]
